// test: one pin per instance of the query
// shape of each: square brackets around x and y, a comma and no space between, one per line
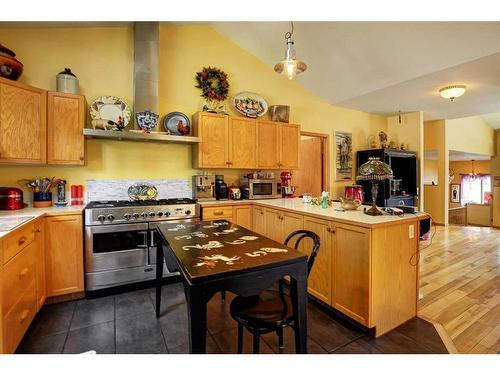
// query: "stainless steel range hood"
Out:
[146,65]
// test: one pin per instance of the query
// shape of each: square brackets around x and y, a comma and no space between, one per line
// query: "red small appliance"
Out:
[354,192]
[11,198]
[287,189]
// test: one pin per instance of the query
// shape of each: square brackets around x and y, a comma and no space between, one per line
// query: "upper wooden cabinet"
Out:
[268,144]
[242,140]
[40,128]
[23,123]
[212,151]
[289,146]
[243,143]
[66,120]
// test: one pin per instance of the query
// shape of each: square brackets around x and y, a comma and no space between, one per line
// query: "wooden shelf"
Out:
[139,137]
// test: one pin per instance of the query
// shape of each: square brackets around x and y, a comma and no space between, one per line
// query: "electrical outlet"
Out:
[411,231]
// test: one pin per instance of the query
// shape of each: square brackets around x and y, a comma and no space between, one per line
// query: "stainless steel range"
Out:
[120,238]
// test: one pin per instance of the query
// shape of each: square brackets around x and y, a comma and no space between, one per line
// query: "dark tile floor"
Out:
[126,323]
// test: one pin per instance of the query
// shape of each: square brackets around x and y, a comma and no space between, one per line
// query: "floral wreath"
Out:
[213,83]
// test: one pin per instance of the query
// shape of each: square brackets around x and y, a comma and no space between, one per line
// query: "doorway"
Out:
[312,175]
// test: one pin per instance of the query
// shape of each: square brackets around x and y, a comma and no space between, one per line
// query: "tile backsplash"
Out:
[101,190]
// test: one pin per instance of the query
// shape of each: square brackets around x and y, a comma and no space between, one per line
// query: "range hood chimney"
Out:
[146,65]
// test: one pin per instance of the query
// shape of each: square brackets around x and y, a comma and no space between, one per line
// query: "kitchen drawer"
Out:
[18,276]
[17,240]
[17,321]
[215,213]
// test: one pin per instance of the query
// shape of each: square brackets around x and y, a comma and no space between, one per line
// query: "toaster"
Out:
[11,198]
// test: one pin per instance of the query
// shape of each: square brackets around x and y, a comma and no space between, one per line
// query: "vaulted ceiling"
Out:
[383,67]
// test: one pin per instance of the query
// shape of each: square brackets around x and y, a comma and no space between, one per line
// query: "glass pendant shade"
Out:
[290,66]
[374,170]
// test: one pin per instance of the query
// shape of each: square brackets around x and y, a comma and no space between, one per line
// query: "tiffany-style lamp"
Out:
[374,170]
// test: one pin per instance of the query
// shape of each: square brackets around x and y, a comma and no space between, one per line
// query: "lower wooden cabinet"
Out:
[258,220]
[242,216]
[64,254]
[320,279]
[351,271]
[41,288]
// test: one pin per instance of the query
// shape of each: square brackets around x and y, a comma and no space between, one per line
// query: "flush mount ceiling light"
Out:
[290,66]
[452,92]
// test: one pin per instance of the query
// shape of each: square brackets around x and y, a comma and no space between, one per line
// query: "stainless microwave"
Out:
[263,188]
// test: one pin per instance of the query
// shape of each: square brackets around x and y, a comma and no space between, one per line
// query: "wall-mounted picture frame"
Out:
[343,156]
[455,193]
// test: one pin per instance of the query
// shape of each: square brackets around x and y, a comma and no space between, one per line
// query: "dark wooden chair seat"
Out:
[271,310]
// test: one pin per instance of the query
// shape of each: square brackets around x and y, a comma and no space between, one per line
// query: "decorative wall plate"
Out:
[177,123]
[250,104]
[111,108]
[142,192]
[146,120]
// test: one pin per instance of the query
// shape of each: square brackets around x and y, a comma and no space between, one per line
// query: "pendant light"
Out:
[472,175]
[290,66]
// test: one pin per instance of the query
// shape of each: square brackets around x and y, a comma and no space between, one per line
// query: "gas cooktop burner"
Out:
[153,202]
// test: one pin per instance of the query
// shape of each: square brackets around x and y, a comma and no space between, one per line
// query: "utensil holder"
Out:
[42,199]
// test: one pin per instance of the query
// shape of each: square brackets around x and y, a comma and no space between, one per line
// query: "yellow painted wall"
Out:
[436,197]
[470,134]
[102,58]
[431,172]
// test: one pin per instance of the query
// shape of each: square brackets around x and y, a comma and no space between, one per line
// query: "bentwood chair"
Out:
[272,310]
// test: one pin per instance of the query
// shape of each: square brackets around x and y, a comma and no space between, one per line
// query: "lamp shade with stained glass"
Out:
[374,170]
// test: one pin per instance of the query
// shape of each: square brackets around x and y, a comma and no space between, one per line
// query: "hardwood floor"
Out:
[460,286]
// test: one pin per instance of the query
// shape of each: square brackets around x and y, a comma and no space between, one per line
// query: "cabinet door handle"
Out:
[21,240]
[37,230]
[23,273]
[82,158]
[218,213]
[23,315]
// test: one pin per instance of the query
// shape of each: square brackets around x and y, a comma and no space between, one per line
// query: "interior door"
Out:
[309,177]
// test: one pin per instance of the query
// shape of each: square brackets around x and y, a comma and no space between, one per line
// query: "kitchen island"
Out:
[367,266]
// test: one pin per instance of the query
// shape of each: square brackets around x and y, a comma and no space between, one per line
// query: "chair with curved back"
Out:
[272,310]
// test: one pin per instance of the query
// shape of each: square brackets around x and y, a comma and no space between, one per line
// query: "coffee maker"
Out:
[221,190]
[204,188]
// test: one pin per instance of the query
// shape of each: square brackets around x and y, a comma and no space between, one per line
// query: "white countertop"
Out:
[35,213]
[335,212]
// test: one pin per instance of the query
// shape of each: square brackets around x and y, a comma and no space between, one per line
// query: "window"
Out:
[475,190]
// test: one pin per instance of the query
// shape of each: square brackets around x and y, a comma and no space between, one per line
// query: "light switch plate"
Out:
[411,231]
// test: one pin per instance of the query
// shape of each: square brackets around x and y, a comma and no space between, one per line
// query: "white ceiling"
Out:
[456,156]
[493,119]
[383,67]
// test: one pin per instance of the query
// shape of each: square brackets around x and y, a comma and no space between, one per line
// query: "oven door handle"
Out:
[145,239]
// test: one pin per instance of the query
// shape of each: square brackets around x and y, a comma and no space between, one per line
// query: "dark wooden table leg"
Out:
[197,318]
[299,300]
[159,276]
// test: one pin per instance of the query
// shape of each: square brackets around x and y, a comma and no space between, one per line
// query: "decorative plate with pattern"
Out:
[142,192]
[111,108]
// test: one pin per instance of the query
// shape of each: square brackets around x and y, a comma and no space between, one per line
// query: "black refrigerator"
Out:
[402,190]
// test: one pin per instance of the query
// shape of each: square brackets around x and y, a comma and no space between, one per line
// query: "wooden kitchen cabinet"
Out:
[23,119]
[212,151]
[64,254]
[289,146]
[242,216]
[268,144]
[241,143]
[65,123]
[41,288]
[258,220]
[319,283]
[279,224]
[351,271]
